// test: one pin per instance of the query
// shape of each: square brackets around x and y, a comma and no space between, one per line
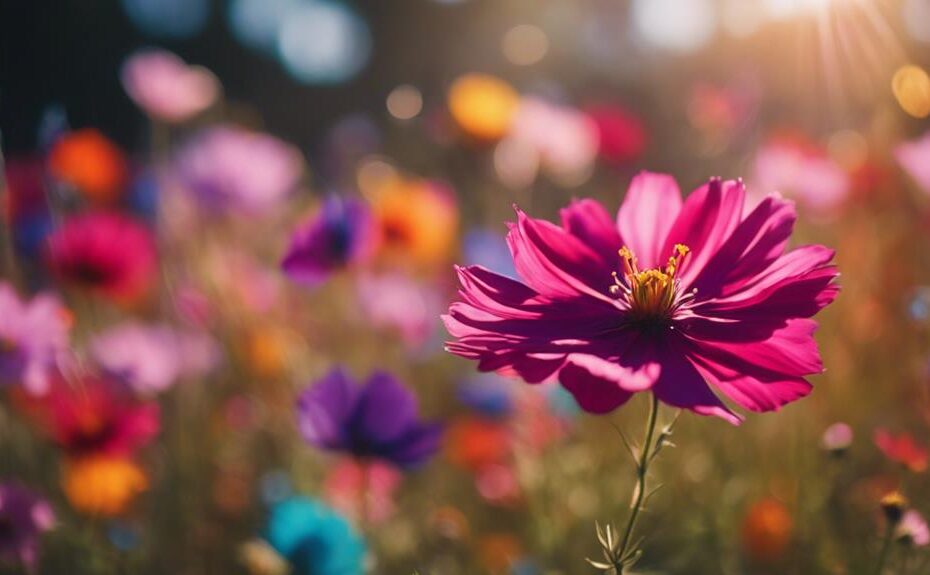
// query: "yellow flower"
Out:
[483,106]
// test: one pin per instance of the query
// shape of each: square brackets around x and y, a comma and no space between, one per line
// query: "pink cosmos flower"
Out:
[700,298]
[914,158]
[32,335]
[801,170]
[166,88]
[107,253]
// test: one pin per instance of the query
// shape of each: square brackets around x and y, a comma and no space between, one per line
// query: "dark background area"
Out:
[69,52]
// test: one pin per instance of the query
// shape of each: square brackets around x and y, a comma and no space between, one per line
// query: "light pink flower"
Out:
[566,140]
[803,172]
[701,297]
[400,303]
[152,358]
[914,158]
[166,88]
[913,529]
[838,437]
[32,335]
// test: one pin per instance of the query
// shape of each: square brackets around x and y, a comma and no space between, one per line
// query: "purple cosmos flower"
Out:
[32,335]
[151,358]
[700,297]
[342,233]
[24,517]
[378,419]
[231,167]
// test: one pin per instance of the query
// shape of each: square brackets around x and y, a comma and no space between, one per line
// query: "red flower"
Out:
[93,416]
[108,253]
[902,449]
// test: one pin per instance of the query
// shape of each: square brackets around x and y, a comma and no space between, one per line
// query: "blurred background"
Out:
[211,207]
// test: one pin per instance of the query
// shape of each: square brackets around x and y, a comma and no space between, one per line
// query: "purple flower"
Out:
[673,297]
[341,234]
[32,334]
[151,358]
[378,419]
[231,167]
[24,517]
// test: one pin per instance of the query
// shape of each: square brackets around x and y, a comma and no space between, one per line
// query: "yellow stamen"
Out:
[652,292]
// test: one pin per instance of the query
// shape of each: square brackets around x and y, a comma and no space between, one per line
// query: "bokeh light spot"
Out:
[405,102]
[324,42]
[168,18]
[525,45]
[911,88]
[677,25]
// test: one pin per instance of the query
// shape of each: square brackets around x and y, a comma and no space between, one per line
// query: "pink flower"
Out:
[701,297]
[913,529]
[903,449]
[565,139]
[231,168]
[166,88]
[354,487]
[837,438]
[622,136]
[914,158]
[32,335]
[107,253]
[801,170]
[152,358]
[397,302]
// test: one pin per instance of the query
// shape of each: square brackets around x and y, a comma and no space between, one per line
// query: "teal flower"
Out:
[315,539]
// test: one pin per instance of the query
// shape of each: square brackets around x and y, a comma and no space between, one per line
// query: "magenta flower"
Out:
[24,517]
[378,419]
[107,253]
[230,167]
[341,234]
[166,88]
[32,335]
[699,298]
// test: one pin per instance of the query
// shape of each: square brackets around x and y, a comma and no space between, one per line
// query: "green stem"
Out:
[886,547]
[642,468]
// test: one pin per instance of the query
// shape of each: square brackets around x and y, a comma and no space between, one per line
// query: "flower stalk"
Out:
[620,554]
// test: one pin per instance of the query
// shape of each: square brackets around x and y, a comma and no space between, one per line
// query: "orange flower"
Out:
[767,530]
[483,106]
[89,161]
[417,220]
[498,551]
[103,485]
[476,443]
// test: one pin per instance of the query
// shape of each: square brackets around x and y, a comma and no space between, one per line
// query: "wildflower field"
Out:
[454,287]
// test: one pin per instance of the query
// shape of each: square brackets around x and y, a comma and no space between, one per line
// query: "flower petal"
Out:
[651,206]
[588,221]
[594,394]
[680,385]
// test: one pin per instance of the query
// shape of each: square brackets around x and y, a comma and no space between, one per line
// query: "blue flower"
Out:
[314,538]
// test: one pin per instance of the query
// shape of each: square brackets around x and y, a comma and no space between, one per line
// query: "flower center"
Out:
[653,294]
